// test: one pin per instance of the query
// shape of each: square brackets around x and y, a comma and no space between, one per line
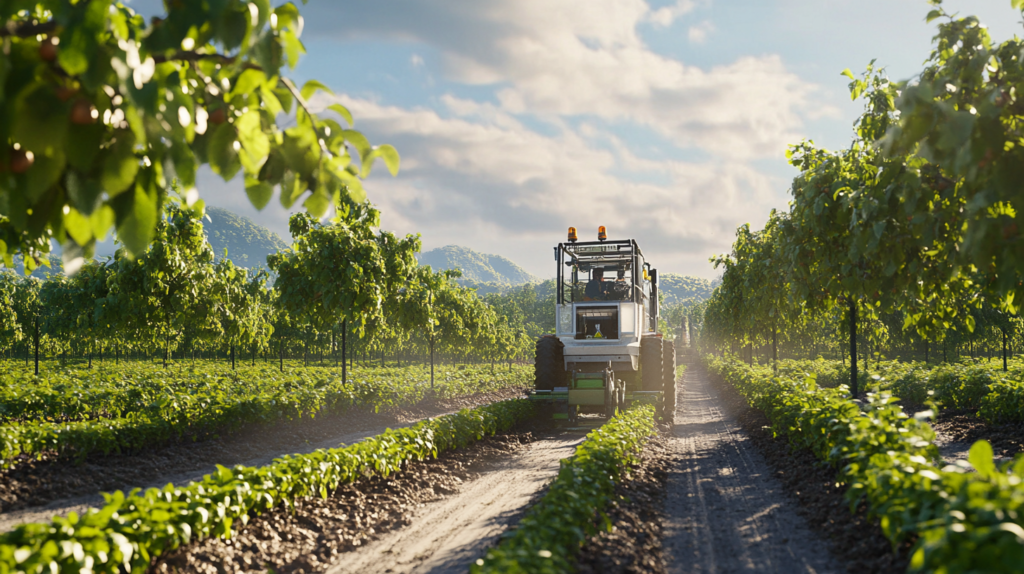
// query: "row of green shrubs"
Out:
[964,521]
[550,535]
[126,410]
[129,530]
[997,395]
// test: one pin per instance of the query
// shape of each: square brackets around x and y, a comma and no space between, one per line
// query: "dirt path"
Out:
[257,451]
[446,536]
[725,511]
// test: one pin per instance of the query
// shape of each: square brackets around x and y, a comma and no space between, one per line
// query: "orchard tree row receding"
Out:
[339,278]
[909,234]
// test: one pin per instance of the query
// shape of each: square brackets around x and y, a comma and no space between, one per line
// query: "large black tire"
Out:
[651,369]
[668,353]
[549,366]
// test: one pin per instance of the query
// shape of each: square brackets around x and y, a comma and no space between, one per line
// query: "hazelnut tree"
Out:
[102,109]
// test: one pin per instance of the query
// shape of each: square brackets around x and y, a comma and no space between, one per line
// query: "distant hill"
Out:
[248,244]
[477,267]
[677,288]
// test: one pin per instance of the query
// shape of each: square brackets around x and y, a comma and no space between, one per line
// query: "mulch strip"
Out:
[310,536]
[35,482]
[634,543]
[854,539]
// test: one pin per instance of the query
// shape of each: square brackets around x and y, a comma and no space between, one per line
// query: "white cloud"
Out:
[485,180]
[416,60]
[556,58]
[698,34]
[666,16]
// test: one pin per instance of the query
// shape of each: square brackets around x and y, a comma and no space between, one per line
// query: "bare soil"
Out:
[317,533]
[34,489]
[957,429]
[725,508]
[853,539]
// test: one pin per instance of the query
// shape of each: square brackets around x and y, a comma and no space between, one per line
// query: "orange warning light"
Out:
[601,234]
[572,234]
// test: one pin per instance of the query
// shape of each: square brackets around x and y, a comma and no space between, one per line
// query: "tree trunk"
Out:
[775,349]
[382,365]
[926,352]
[232,357]
[431,363]
[1004,350]
[280,347]
[853,348]
[36,337]
[344,357]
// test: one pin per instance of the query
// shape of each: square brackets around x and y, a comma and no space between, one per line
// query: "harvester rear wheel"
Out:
[549,366]
[668,351]
[651,369]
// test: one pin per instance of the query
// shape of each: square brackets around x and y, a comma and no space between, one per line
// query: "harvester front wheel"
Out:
[651,369]
[549,366]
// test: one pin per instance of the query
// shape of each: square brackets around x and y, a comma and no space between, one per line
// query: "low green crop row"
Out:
[965,521]
[551,533]
[223,407]
[132,529]
[117,391]
[998,396]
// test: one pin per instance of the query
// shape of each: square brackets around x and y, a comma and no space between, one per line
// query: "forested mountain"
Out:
[677,288]
[248,244]
[477,267]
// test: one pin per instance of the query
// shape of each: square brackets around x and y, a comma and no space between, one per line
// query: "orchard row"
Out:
[908,235]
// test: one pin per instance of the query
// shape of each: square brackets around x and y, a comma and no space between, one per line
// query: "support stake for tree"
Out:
[344,357]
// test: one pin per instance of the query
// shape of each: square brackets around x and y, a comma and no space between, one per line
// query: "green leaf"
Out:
[343,112]
[848,74]
[136,230]
[981,458]
[259,193]
[249,82]
[310,88]
[120,166]
[221,151]
[45,171]
[84,145]
[938,13]
[390,156]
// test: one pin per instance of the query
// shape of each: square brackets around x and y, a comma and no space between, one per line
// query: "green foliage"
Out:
[102,109]
[341,271]
[130,530]
[127,408]
[675,289]
[551,533]
[964,521]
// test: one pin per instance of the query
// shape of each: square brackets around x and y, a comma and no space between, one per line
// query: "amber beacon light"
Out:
[601,234]
[572,234]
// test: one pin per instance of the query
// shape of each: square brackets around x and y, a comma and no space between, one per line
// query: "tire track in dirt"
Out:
[724,510]
[446,536]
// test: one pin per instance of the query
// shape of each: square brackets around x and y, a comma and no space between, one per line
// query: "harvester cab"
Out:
[606,352]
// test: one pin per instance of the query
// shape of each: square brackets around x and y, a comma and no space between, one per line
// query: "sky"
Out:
[666,122]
